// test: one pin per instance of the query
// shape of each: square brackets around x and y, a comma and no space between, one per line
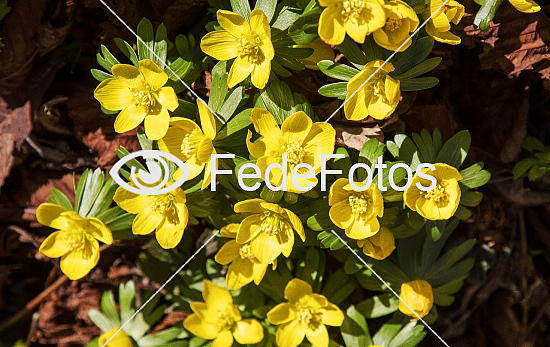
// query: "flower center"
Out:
[309,317]
[188,145]
[166,205]
[144,97]
[353,8]
[271,223]
[359,203]
[76,238]
[392,24]
[250,47]
[246,252]
[437,194]
[224,320]
[379,88]
[294,153]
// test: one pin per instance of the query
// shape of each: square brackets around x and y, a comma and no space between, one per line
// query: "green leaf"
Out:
[354,329]
[60,199]
[532,143]
[471,198]
[451,257]
[241,7]
[353,53]
[79,189]
[409,336]
[100,75]
[161,45]
[106,59]
[455,150]
[462,213]
[108,306]
[329,240]
[160,338]
[337,70]
[370,152]
[126,295]
[268,7]
[379,305]
[521,167]
[231,103]
[319,219]
[461,269]
[334,90]
[474,176]
[146,43]
[308,270]
[127,50]
[339,286]
[305,28]
[219,88]
[486,14]
[388,331]
[373,51]
[92,188]
[101,321]
[417,52]
[420,83]
[422,68]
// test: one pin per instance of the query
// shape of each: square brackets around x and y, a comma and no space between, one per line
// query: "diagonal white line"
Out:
[165,66]
[390,288]
[161,287]
[385,61]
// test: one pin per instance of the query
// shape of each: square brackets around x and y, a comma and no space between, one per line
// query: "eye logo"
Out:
[154,180]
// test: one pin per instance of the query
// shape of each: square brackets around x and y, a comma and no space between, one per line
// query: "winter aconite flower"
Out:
[357,18]
[304,315]
[218,319]
[299,138]
[269,229]
[165,213]
[377,98]
[442,201]
[141,95]
[400,21]
[439,25]
[248,42]
[75,241]
[321,51]
[244,267]
[378,246]
[193,146]
[119,340]
[525,6]
[419,297]
[356,212]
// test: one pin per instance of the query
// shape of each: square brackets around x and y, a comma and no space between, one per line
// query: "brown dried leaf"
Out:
[353,137]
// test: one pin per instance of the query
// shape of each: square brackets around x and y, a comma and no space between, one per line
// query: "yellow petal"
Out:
[249,206]
[361,228]
[156,126]
[290,334]
[55,246]
[48,214]
[129,118]
[228,253]
[199,327]
[234,23]
[249,229]
[265,247]
[77,264]
[296,224]
[319,336]
[259,271]
[99,230]
[260,73]
[444,172]
[282,313]
[117,339]
[145,222]
[331,26]
[216,296]
[220,45]
[169,235]
[296,128]
[248,331]
[257,149]
[295,289]
[265,124]
[230,230]
[332,315]
[208,122]
[239,273]
[337,193]
[130,202]
[442,36]
[526,6]
[224,339]
[153,74]
[127,73]
[240,69]
[418,295]
[340,214]
[260,26]
[320,140]
[208,173]
[114,94]
[168,98]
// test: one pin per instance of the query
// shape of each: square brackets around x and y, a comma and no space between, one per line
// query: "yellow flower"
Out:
[250,43]
[355,212]
[304,315]
[219,320]
[357,18]
[377,98]
[419,296]
[120,339]
[245,267]
[321,51]
[525,6]
[378,246]
[269,229]
[440,202]
[300,139]
[75,241]
[193,146]
[438,27]
[140,94]
[400,21]
[165,213]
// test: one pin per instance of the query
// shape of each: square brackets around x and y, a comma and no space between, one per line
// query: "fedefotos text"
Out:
[310,174]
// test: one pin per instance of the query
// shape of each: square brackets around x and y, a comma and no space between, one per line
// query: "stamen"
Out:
[359,203]
[295,153]
[392,24]
[352,8]
[437,194]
